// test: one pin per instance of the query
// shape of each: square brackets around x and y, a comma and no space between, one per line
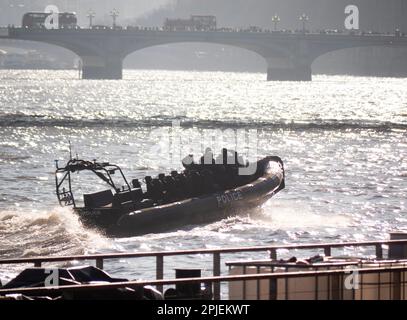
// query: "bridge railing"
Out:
[216,254]
[128,29]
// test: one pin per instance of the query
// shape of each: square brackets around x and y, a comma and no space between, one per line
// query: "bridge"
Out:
[289,56]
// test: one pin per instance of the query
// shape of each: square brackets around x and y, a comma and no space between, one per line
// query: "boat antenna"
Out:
[70,150]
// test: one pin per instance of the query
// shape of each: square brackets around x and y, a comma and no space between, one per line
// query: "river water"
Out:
[343,140]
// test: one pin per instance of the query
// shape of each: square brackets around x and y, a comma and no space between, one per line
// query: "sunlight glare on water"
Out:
[343,140]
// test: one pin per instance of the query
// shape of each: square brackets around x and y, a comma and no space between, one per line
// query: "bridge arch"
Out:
[196,55]
[367,60]
[274,54]
[56,49]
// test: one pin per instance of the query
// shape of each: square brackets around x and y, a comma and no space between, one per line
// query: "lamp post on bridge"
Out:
[276,19]
[114,14]
[304,19]
[91,15]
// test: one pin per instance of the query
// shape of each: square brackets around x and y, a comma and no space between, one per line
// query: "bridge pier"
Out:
[298,73]
[102,68]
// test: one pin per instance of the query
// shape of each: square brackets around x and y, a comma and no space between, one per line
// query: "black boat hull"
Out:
[195,211]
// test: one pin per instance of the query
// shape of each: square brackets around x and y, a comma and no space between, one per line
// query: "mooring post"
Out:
[160,271]
[216,273]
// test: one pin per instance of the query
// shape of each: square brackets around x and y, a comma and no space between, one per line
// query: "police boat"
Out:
[202,193]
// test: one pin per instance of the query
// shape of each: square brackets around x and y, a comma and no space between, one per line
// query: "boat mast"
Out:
[70,150]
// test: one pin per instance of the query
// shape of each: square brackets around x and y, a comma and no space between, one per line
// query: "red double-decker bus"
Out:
[36,20]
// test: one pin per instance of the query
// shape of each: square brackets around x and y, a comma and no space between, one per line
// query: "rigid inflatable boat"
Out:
[200,194]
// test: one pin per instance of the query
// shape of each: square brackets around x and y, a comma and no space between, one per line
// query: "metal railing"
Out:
[396,284]
[216,256]
[130,29]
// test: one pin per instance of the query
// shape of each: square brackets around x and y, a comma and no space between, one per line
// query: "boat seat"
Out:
[136,184]
[134,195]
[99,199]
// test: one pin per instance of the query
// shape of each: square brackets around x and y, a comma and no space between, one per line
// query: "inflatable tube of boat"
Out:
[207,208]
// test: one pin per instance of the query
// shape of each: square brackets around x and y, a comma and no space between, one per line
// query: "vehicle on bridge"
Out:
[36,20]
[100,27]
[254,29]
[195,23]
